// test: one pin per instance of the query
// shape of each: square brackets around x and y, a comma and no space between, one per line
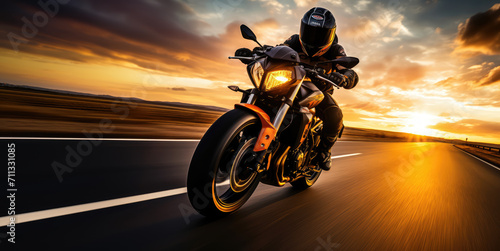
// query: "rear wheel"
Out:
[219,180]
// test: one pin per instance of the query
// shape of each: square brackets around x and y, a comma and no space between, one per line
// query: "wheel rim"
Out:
[233,183]
[241,177]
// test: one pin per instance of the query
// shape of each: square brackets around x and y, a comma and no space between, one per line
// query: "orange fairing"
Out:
[267,133]
[312,111]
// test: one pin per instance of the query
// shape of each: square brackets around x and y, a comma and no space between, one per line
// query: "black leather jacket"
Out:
[335,51]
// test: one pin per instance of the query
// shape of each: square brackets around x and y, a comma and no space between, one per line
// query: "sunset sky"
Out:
[427,66]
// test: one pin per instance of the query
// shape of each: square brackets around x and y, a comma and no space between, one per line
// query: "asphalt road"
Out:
[391,196]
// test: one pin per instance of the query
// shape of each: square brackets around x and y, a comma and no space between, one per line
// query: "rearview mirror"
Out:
[247,33]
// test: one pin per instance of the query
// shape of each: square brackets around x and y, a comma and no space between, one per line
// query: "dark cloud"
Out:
[480,32]
[442,13]
[469,126]
[144,33]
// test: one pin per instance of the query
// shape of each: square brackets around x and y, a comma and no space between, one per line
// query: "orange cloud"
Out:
[269,23]
[400,72]
[406,73]
[155,36]
[469,126]
[493,77]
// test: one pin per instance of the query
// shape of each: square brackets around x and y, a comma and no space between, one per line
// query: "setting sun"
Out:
[438,78]
[418,123]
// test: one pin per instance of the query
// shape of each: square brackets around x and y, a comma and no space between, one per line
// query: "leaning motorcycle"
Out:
[270,137]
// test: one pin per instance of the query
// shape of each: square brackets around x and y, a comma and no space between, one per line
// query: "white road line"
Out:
[485,162]
[49,213]
[104,139]
[56,212]
[345,155]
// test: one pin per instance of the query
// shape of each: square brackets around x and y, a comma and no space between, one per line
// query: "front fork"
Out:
[269,130]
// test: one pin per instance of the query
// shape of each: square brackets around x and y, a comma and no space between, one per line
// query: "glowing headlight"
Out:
[257,73]
[277,78]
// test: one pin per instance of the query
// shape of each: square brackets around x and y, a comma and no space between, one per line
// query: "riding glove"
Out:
[337,78]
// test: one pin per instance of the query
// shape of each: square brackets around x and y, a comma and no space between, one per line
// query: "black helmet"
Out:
[317,31]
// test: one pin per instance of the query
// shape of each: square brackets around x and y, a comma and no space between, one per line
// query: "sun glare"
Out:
[418,123]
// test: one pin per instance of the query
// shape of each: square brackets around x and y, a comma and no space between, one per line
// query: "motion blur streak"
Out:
[393,196]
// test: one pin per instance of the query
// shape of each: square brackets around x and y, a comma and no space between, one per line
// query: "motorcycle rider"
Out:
[317,42]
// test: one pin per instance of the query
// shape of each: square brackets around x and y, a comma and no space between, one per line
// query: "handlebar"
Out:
[328,81]
[255,57]
[258,52]
[315,73]
[239,57]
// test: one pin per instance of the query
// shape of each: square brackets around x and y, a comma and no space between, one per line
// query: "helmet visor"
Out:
[316,36]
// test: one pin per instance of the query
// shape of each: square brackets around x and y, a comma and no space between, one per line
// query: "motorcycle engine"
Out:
[298,160]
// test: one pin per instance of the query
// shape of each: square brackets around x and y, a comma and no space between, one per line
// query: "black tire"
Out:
[230,136]
[306,182]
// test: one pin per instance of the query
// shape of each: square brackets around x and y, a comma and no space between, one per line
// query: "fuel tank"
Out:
[310,96]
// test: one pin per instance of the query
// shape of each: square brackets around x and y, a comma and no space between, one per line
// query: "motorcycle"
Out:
[270,137]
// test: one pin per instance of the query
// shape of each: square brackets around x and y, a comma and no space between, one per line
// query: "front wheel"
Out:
[219,180]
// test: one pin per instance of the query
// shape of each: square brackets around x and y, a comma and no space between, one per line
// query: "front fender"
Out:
[267,133]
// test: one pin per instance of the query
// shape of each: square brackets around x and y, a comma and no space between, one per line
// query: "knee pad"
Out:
[332,119]
[333,115]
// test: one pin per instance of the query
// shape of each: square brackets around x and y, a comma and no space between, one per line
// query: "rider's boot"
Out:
[323,159]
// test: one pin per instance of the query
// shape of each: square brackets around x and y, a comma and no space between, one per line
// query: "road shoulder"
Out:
[484,155]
